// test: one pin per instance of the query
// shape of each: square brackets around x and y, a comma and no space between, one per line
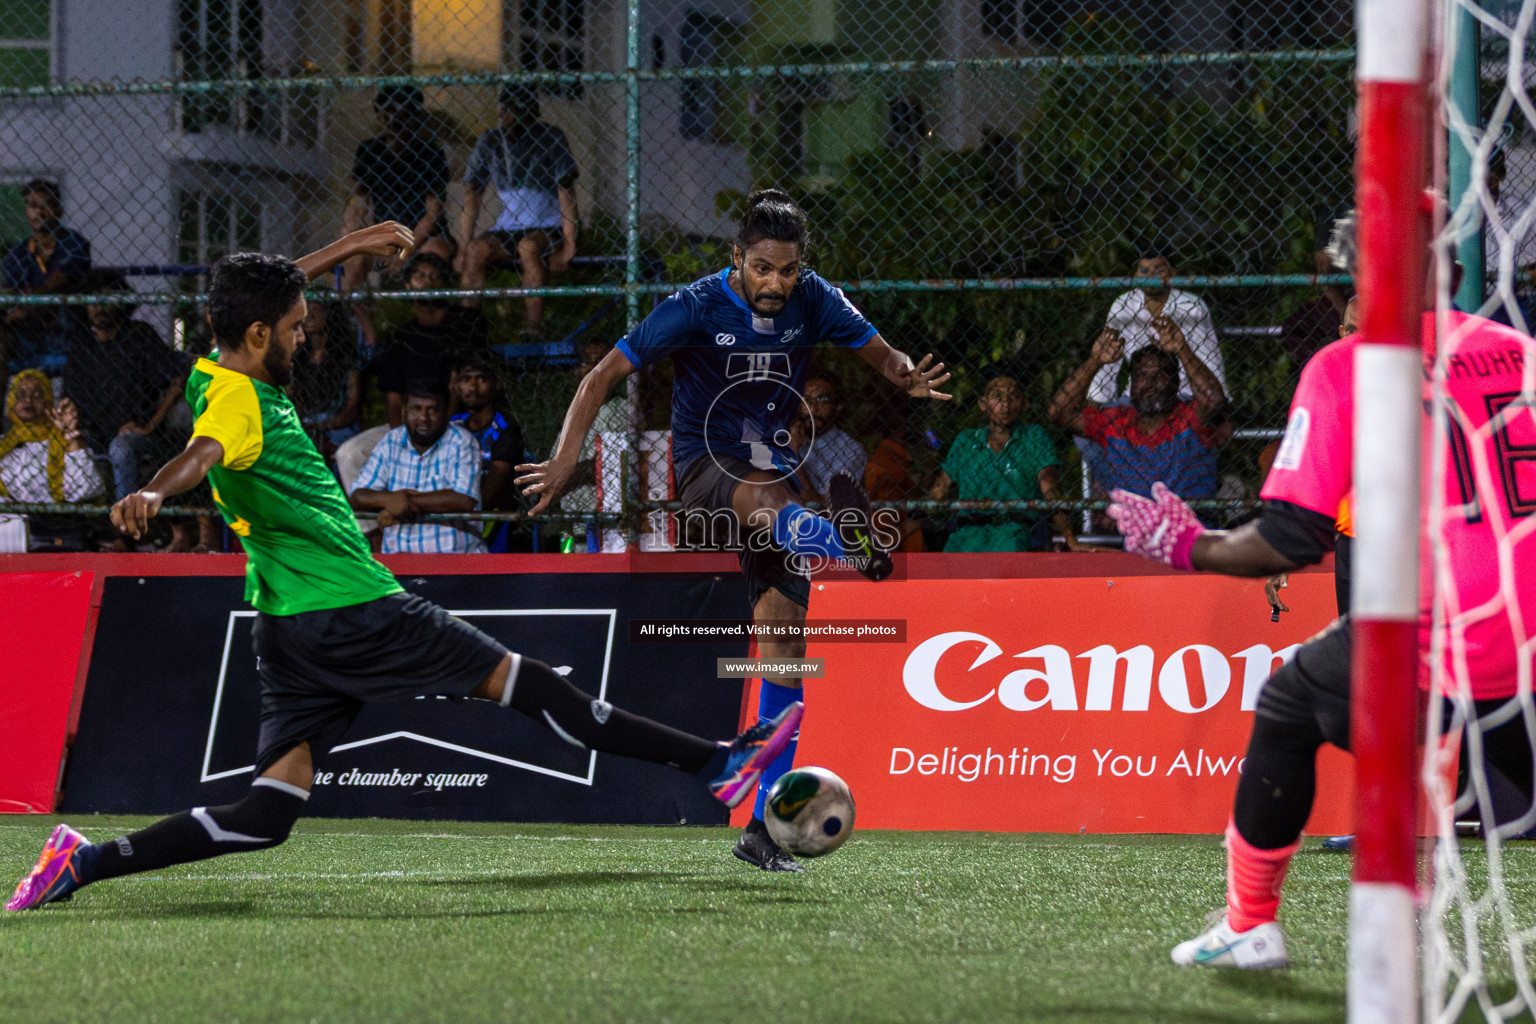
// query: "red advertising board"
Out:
[1057,705]
[44,616]
[1045,700]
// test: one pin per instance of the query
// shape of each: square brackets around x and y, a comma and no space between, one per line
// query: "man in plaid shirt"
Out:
[425,465]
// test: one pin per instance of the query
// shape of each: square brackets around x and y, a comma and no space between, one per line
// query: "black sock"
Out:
[539,692]
[716,763]
[258,822]
[1279,781]
[1505,747]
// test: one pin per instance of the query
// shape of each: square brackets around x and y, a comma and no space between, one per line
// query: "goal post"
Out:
[1392,80]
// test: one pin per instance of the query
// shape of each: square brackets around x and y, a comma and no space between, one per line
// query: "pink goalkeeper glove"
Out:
[1161,528]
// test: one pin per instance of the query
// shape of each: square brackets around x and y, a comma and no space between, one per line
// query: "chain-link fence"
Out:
[981,177]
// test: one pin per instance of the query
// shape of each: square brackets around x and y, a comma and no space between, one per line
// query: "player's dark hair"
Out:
[828,376]
[476,362]
[109,282]
[427,387]
[771,213]
[44,187]
[431,259]
[520,100]
[250,288]
[1169,361]
[996,375]
[399,97]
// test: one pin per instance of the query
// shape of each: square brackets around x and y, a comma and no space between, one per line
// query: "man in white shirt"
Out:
[1133,317]
[831,450]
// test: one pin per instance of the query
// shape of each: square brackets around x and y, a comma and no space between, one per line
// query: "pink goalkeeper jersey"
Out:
[1490,485]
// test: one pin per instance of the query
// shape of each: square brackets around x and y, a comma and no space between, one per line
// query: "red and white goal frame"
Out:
[1393,76]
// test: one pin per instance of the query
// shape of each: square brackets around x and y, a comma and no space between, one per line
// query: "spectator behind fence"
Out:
[1315,323]
[888,475]
[1157,436]
[426,466]
[436,337]
[326,390]
[612,417]
[1133,316]
[531,167]
[829,450]
[43,458]
[401,175]
[501,442]
[52,260]
[1001,462]
[125,381]
[1351,322]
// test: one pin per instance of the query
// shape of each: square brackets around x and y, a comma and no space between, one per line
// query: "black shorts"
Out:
[1313,687]
[707,485]
[1343,556]
[319,668]
[509,240]
[1313,690]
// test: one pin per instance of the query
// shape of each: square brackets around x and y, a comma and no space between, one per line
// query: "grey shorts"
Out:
[707,484]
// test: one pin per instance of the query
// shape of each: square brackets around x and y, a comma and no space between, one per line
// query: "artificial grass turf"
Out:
[367,920]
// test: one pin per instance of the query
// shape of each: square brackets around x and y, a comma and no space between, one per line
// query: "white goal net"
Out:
[1479,920]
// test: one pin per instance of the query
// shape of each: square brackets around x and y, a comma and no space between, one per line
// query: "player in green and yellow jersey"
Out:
[333,631]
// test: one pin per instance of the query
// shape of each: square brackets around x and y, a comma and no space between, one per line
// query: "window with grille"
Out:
[219,39]
[1000,19]
[701,44]
[551,38]
[214,223]
[1040,22]
[26,43]
[13,219]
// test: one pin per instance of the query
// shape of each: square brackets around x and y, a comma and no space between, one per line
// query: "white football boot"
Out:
[1260,948]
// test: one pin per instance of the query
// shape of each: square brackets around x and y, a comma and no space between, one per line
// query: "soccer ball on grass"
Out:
[810,812]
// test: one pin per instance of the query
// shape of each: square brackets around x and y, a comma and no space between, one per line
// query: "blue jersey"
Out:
[738,376]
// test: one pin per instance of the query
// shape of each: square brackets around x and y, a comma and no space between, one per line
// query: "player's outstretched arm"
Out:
[918,381]
[386,239]
[547,480]
[1164,529]
[132,514]
[1239,552]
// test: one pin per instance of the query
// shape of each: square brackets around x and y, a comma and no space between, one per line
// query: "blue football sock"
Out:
[771,702]
[800,531]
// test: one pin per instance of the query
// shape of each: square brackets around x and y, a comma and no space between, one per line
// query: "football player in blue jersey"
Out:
[741,342]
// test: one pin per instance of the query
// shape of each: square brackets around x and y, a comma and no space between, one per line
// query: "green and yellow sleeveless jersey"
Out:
[305,552]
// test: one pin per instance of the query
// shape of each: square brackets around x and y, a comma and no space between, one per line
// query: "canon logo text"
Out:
[1052,678]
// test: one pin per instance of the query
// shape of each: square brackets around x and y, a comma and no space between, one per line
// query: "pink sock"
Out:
[1254,878]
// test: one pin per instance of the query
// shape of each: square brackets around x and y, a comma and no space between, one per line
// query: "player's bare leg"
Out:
[295,768]
[479,254]
[530,250]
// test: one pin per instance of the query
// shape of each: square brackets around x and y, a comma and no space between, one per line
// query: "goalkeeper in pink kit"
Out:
[1485,539]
